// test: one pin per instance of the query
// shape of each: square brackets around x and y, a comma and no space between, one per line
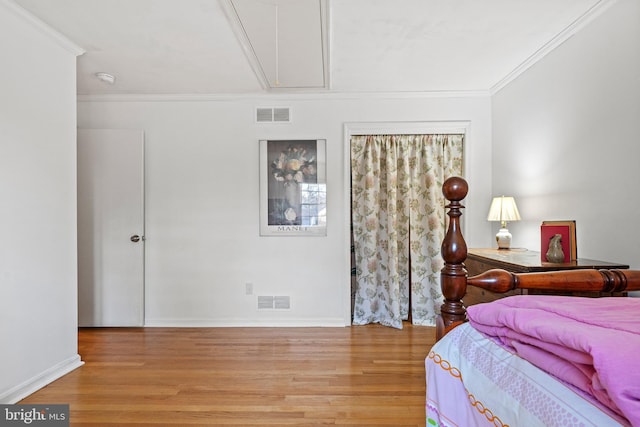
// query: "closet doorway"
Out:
[394,173]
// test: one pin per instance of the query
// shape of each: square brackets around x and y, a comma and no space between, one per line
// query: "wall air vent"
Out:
[270,302]
[273,115]
[265,302]
[283,302]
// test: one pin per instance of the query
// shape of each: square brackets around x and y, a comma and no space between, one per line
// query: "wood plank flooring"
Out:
[363,376]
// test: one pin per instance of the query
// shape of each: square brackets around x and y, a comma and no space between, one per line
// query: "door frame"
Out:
[384,128]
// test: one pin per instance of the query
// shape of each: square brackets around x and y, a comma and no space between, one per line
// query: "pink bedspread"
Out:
[593,344]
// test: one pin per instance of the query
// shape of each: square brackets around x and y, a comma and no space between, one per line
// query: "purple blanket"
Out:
[592,344]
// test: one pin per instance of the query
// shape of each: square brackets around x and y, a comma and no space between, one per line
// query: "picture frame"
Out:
[567,229]
[293,187]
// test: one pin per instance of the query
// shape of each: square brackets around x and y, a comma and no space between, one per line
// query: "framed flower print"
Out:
[293,188]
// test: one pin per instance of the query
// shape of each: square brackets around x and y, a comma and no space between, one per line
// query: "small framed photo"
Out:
[293,187]
[567,231]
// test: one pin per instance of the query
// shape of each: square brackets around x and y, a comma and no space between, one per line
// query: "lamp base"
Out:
[503,238]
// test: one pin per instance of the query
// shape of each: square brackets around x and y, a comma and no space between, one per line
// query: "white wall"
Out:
[38,320]
[566,139]
[202,203]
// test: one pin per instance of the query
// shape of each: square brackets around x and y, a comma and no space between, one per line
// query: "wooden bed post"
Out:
[453,277]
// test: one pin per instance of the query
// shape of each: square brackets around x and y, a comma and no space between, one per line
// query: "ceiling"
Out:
[163,47]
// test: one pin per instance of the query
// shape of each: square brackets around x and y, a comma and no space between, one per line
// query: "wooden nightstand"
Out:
[525,261]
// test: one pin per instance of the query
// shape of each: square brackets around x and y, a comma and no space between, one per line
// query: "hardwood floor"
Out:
[358,376]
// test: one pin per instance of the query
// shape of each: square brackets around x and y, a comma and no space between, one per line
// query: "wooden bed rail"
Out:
[454,280]
[501,281]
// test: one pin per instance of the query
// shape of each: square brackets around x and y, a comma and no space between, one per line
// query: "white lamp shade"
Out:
[503,209]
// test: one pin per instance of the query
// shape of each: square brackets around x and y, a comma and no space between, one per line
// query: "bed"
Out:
[532,360]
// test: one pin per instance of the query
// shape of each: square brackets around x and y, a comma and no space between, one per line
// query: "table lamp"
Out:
[503,209]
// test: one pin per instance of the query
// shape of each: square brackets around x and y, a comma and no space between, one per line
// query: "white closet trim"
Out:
[383,128]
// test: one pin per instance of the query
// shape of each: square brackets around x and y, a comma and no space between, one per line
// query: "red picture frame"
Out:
[567,229]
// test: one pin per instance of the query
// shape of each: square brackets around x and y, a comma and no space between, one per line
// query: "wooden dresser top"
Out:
[530,261]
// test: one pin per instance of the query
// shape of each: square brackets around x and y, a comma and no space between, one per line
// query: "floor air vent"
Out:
[273,115]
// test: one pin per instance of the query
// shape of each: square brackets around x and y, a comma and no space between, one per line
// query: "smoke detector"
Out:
[106,77]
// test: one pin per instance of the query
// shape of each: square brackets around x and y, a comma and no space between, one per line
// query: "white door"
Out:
[110,227]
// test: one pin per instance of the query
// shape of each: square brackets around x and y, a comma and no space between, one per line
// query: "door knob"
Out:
[135,238]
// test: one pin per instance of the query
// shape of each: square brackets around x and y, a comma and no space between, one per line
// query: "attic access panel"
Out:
[288,40]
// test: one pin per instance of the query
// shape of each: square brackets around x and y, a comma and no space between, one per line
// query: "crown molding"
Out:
[42,27]
[293,96]
[587,17]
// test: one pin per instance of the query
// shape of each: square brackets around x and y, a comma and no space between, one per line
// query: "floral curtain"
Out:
[398,224]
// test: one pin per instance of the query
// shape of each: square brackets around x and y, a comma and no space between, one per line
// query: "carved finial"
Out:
[454,248]
[455,189]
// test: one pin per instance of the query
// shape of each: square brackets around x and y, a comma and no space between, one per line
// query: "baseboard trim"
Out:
[34,384]
[225,323]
